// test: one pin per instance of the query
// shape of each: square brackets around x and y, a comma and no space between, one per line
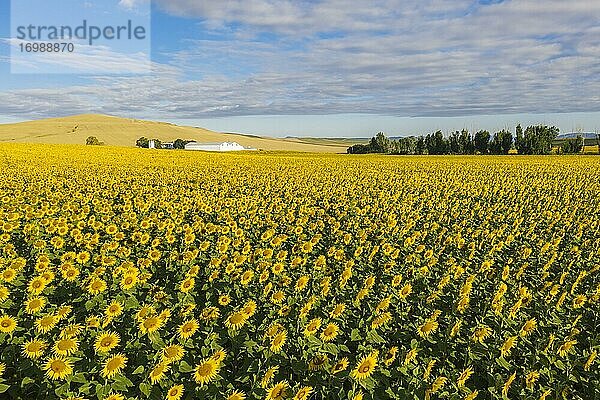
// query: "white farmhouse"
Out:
[225,146]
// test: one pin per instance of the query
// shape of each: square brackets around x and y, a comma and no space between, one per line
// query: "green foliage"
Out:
[142,142]
[93,141]
[572,146]
[404,146]
[436,143]
[359,149]
[536,139]
[420,145]
[482,141]
[502,142]
[180,144]
[379,144]
[519,139]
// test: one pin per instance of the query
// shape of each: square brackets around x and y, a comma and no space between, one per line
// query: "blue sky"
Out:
[336,67]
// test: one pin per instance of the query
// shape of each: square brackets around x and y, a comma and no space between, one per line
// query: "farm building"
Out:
[224,146]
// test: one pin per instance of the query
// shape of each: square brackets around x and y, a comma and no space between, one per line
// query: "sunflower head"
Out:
[206,371]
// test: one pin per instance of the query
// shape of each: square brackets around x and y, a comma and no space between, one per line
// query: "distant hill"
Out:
[115,131]
[573,135]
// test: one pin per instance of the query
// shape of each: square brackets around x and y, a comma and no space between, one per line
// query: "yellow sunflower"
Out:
[172,353]
[405,291]
[187,285]
[427,328]
[114,365]
[464,376]
[219,355]
[7,324]
[114,309]
[175,393]
[8,275]
[188,328]
[330,332]
[158,373]
[34,305]
[318,362]
[150,324]
[528,327]
[58,368]
[4,293]
[365,367]
[481,333]
[47,323]
[96,286]
[390,356]
[312,327]
[206,371]
[278,341]
[337,310]
[34,348]
[277,391]
[566,347]
[339,366]
[224,299]
[70,331]
[303,393]
[106,341]
[268,377]
[236,320]
[37,285]
[66,346]
[249,308]
[507,346]
[128,281]
[531,378]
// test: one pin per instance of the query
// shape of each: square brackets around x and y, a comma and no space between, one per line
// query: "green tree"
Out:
[572,146]
[379,144]
[420,145]
[454,143]
[180,144]
[502,142]
[142,142]
[520,140]
[482,141]
[466,142]
[93,141]
[403,146]
[538,139]
[436,143]
[358,149]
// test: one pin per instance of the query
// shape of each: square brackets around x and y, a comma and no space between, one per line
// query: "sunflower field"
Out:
[134,274]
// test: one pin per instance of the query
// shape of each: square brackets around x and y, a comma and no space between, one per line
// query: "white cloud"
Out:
[132,4]
[411,57]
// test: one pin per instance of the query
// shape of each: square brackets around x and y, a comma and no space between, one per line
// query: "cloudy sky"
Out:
[337,67]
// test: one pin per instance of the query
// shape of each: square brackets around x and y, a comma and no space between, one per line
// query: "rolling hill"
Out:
[115,131]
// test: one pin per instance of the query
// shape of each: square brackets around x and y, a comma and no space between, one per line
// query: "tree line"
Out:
[535,139]
[178,144]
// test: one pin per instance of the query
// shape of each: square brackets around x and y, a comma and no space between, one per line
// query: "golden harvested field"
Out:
[128,274]
[115,131]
